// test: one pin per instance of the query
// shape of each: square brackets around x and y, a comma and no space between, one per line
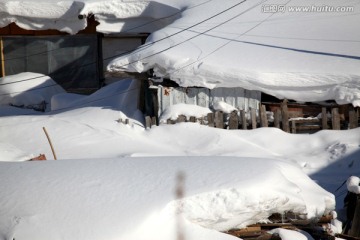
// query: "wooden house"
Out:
[76,62]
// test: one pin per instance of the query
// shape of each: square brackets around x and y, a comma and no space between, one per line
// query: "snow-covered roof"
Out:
[114,16]
[307,50]
[306,56]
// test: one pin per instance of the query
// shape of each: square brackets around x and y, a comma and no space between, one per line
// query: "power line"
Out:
[201,33]
[172,15]
[23,80]
[32,89]
[159,40]
[126,31]
[225,44]
[176,33]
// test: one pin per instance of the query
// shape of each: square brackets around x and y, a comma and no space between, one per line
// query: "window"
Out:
[72,61]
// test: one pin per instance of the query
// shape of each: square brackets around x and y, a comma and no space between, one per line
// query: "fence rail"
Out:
[278,118]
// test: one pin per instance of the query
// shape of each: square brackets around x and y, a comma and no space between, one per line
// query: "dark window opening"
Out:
[74,62]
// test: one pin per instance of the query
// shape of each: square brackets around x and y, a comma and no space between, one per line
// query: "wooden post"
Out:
[201,120]
[210,119]
[353,118]
[285,116]
[355,226]
[324,118]
[335,119]
[277,116]
[147,122]
[181,118]
[293,126]
[253,118]
[153,121]
[234,120]
[2,58]
[263,118]
[243,119]
[219,119]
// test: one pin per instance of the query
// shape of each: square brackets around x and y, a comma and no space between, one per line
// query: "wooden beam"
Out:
[353,118]
[263,118]
[293,126]
[234,120]
[324,118]
[243,119]
[153,121]
[181,118]
[285,116]
[219,119]
[253,118]
[277,116]
[246,232]
[210,119]
[2,57]
[335,119]
[355,225]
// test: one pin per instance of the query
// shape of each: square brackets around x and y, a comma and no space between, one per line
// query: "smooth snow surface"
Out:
[117,181]
[116,198]
[28,90]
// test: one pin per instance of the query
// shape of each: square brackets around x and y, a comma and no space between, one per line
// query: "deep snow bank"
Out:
[124,198]
[276,53]
[28,90]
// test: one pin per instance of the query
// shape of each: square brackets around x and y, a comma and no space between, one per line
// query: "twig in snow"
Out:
[49,140]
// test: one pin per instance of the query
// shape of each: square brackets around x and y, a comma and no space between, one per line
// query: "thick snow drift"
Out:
[28,90]
[232,178]
[276,53]
[120,198]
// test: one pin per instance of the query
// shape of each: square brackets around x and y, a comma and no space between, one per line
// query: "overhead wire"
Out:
[228,42]
[125,31]
[197,35]
[176,33]
[154,42]
[32,89]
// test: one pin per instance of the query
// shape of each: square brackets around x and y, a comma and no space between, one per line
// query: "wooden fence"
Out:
[254,119]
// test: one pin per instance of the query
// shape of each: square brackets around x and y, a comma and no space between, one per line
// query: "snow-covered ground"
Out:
[118,181]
